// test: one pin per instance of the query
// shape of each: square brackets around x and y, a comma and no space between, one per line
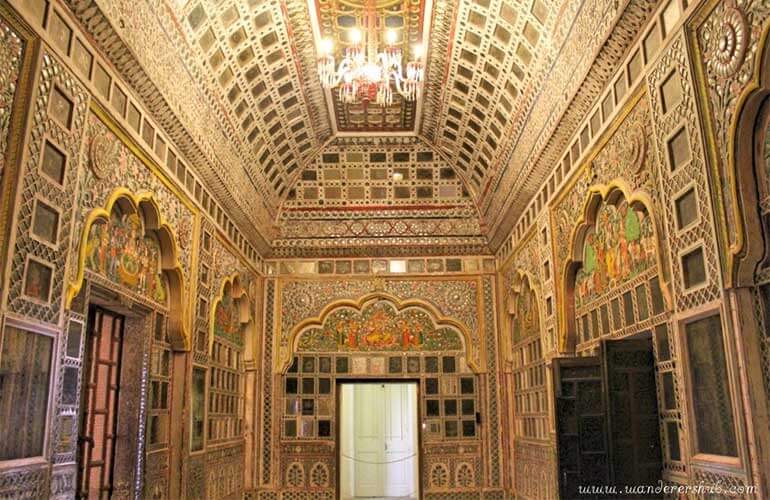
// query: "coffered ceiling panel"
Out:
[248,57]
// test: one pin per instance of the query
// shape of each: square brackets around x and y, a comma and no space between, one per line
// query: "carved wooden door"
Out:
[636,458]
[100,404]
[581,425]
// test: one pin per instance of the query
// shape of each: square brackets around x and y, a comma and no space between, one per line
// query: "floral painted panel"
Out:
[121,251]
[379,327]
[526,319]
[618,248]
[227,324]
[11,50]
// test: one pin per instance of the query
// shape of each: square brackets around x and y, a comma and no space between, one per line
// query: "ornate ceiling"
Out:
[235,82]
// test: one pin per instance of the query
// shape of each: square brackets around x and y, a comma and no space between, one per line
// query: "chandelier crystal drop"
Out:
[367,73]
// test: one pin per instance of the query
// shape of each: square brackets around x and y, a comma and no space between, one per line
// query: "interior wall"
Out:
[668,148]
[77,148]
[463,466]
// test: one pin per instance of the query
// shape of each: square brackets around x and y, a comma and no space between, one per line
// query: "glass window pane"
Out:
[713,412]
[198,401]
[25,372]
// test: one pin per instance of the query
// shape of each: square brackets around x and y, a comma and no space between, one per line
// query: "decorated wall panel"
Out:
[11,59]
[526,332]
[99,223]
[440,331]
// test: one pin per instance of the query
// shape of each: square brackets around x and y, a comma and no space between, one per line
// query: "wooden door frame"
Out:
[93,310]
[105,296]
[339,381]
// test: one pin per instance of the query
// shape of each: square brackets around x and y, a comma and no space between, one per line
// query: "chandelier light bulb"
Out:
[355,36]
[390,37]
[417,50]
[327,45]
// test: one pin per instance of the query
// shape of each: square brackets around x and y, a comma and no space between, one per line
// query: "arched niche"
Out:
[128,242]
[615,241]
[748,175]
[379,323]
[522,308]
[231,315]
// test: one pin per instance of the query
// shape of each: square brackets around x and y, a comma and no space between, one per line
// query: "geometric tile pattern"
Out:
[499,76]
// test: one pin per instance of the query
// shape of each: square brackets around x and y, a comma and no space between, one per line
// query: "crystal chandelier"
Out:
[366,73]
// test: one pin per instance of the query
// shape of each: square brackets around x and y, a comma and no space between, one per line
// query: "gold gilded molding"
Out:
[735,248]
[597,195]
[238,293]
[178,324]
[359,304]
[506,340]
[125,138]
[17,128]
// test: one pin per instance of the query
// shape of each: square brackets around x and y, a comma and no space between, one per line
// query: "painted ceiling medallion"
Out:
[362,47]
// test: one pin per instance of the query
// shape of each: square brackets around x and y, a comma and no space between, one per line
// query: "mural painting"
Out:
[618,248]
[525,314]
[379,327]
[120,251]
[227,322]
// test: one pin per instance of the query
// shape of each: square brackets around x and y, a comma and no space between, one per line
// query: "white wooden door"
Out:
[368,440]
[399,437]
[384,442]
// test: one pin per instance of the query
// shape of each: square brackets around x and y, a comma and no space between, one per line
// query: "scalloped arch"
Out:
[144,205]
[400,305]
[232,284]
[598,195]
[521,278]
[743,153]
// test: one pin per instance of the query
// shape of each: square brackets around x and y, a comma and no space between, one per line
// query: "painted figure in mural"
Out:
[119,251]
[379,327]
[377,334]
[227,322]
[619,247]
[525,319]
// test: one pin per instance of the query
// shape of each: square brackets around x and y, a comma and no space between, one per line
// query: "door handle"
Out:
[386,446]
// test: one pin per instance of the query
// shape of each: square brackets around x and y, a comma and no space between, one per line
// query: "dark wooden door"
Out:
[100,404]
[634,429]
[581,425]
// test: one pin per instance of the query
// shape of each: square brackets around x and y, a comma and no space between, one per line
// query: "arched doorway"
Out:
[380,338]
[616,401]
[129,290]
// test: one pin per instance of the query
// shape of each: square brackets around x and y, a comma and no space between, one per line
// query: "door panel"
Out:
[384,440]
[399,439]
[368,439]
[581,424]
[99,416]
[634,422]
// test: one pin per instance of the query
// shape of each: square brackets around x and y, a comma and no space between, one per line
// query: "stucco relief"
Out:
[626,151]
[727,40]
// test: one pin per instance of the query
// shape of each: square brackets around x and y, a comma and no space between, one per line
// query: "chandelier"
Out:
[368,73]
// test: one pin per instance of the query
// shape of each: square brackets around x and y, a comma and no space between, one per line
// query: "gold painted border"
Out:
[178,322]
[604,192]
[359,304]
[17,129]
[238,293]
